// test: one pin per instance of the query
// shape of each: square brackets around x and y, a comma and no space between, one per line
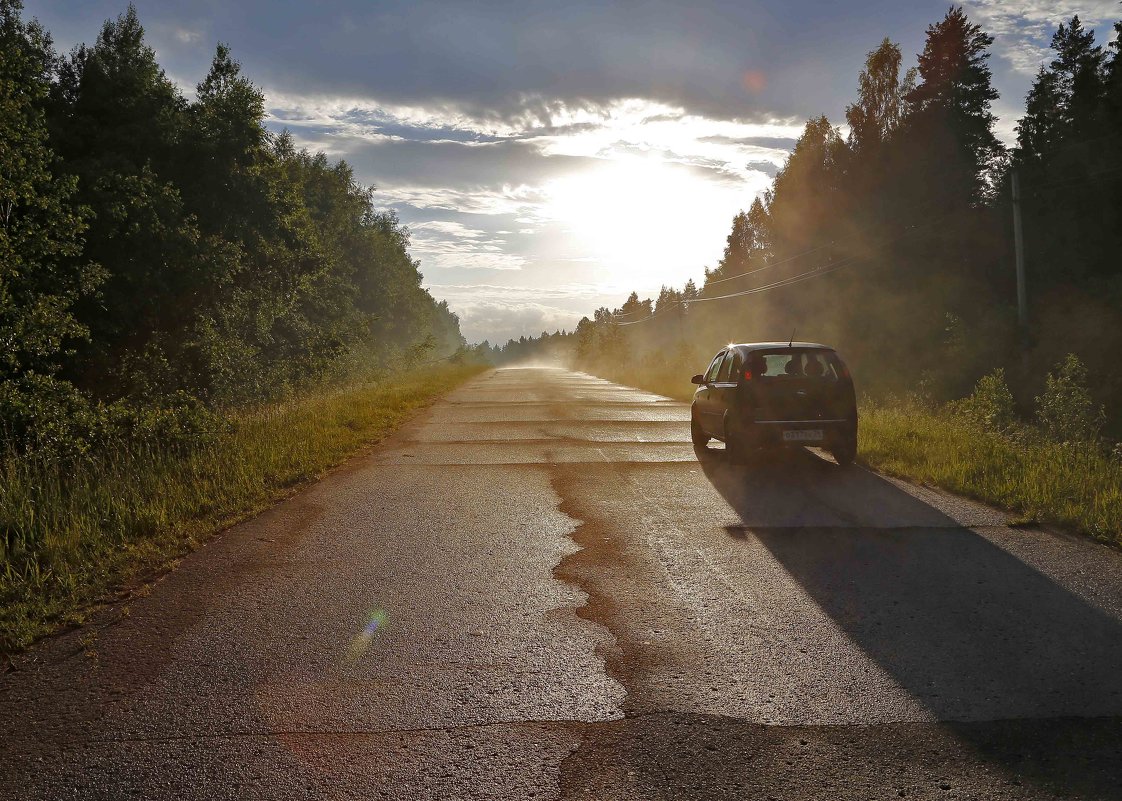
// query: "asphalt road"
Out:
[539,589]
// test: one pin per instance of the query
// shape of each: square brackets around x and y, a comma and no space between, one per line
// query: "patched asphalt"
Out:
[540,589]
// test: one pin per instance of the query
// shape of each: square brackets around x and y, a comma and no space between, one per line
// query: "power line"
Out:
[822,269]
[769,265]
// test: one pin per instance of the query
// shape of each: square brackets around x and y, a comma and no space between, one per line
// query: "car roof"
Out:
[770,345]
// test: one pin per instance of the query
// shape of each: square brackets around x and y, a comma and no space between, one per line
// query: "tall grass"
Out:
[1075,485]
[69,537]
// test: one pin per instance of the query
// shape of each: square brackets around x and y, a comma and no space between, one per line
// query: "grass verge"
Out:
[78,537]
[1075,486]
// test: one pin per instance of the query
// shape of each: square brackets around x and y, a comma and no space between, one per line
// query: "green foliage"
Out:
[1068,157]
[41,272]
[882,97]
[991,405]
[1031,476]
[1066,411]
[69,536]
[950,107]
[164,259]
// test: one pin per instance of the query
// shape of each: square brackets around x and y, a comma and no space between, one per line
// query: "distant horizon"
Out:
[546,163]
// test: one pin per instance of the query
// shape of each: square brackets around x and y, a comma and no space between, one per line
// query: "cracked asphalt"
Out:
[538,589]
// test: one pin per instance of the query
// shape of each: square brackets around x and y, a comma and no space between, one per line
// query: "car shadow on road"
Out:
[966,628]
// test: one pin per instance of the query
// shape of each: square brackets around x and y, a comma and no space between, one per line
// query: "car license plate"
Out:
[803,435]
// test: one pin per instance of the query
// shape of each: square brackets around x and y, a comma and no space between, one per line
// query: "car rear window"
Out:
[795,363]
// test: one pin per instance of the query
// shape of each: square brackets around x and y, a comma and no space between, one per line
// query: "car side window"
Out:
[711,374]
[726,367]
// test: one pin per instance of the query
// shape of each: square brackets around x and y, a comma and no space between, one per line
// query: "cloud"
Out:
[768,168]
[446,244]
[499,312]
[1023,29]
[187,35]
[557,190]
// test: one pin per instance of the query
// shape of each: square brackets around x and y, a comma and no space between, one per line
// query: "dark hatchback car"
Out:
[763,395]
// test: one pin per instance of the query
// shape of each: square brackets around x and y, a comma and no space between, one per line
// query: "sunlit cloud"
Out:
[627,193]
[498,313]
[453,245]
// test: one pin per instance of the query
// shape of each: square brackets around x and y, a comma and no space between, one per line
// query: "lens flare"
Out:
[376,621]
[754,81]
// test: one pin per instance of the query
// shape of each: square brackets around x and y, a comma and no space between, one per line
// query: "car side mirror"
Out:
[698,379]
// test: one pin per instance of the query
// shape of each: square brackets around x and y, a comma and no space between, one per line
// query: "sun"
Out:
[644,221]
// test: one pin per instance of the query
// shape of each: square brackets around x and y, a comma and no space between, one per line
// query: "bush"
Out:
[50,419]
[1066,411]
[47,417]
[990,405]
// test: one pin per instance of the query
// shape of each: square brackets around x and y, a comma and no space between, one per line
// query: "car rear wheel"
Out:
[845,451]
[699,437]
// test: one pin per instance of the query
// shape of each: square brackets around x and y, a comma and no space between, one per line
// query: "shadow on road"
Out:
[966,628]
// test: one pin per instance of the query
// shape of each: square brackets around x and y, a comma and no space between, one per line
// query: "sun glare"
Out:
[647,222]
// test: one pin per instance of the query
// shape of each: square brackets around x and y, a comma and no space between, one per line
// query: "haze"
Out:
[550,162]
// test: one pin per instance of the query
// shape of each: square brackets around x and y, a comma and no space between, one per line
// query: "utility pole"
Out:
[1018,238]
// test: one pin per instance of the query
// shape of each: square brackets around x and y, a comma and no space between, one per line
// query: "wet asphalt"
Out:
[539,589]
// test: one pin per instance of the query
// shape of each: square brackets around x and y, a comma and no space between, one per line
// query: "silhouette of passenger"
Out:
[793,367]
[813,368]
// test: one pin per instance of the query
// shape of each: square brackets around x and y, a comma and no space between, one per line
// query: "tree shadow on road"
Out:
[966,628]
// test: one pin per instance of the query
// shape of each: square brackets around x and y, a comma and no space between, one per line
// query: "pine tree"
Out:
[1040,131]
[1078,67]
[949,110]
[739,246]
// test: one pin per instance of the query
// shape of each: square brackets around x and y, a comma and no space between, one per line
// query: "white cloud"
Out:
[498,313]
[626,194]
[503,200]
[1022,29]
[187,35]
[446,244]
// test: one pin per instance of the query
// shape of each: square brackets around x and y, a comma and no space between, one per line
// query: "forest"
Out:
[166,259]
[892,239]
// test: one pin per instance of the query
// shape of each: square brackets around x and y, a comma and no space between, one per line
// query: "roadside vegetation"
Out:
[75,537]
[196,315]
[893,241]
[1053,468]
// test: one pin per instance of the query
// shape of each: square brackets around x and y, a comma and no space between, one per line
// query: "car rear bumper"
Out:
[769,433]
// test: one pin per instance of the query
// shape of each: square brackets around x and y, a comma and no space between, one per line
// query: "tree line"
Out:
[163,257]
[895,242]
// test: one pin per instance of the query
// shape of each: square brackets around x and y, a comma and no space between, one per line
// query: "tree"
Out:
[949,110]
[41,275]
[807,200]
[1066,144]
[114,108]
[1078,71]
[739,246]
[1040,131]
[881,98]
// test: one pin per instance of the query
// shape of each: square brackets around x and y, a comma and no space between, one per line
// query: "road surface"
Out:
[538,589]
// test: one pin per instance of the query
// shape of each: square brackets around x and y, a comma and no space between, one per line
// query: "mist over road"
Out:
[539,589]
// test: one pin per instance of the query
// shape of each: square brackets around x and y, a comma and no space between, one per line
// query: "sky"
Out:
[549,158]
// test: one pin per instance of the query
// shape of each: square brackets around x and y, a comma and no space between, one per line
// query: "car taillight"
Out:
[747,375]
[845,372]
